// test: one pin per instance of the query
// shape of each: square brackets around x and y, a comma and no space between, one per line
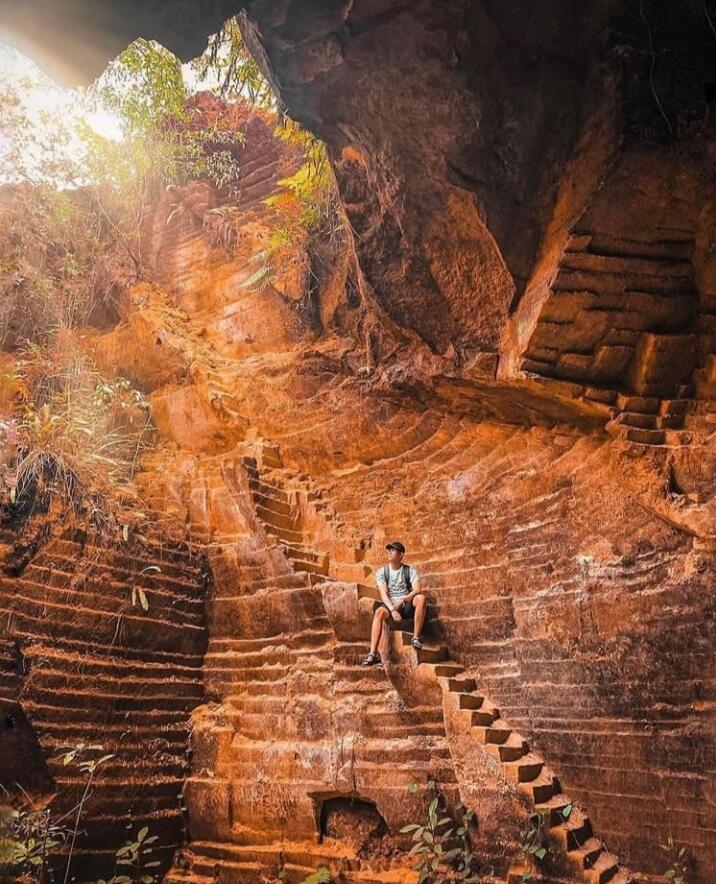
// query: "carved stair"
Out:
[567,824]
[280,519]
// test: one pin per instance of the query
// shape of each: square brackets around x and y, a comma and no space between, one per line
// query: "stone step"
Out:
[674,406]
[178,690]
[430,653]
[91,716]
[117,703]
[276,519]
[317,568]
[33,616]
[497,732]
[623,877]
[678,268]
[273,504]
[511,749]
[266,489]
[556,809]
[642,404]
[645,437]
[588,853]
[53,585]
[470,701]
[460,685]
[574,832]
[485,716]
[638,419]
[62,571]
[526,769]
[286,535]
[603,870]
[445,670]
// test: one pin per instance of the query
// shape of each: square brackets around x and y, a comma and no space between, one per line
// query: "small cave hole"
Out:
[673,486]
[352,821]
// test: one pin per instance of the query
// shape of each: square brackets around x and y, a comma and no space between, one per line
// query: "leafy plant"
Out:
[58,263]
[135,861]
[442,843]
[79,436]
[307,201]
[533,841]
[228,67]
[28,836]
[678,868]
[322,875]
[89,758]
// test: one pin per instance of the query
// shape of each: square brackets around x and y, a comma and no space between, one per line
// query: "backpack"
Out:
[406,576]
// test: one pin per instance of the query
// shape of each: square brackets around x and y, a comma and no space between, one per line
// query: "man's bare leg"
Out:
[421,606]
[379,618]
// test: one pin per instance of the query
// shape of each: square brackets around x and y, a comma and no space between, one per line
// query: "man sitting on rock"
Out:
[399,588]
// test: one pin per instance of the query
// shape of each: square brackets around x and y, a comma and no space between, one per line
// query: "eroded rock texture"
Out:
[84,664]
[511,367]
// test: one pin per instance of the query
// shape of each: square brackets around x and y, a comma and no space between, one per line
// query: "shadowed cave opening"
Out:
[353,821]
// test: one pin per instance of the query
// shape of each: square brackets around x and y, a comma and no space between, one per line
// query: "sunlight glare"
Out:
[49,104]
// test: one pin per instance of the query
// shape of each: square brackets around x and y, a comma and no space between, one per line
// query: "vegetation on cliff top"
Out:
[71,221]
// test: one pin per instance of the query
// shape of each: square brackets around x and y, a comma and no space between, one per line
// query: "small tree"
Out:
[442,843]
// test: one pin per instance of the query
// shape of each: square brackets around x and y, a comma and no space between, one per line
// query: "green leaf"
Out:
[411,828]
[566,811]
[143,599]
[541,853]
[321,876]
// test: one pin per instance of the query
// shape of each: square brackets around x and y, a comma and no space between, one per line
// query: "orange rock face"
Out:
[571,650]
[84,665]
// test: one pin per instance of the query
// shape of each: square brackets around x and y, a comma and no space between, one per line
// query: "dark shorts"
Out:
[407,609]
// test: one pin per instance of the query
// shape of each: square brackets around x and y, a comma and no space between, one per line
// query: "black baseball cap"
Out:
[395,544]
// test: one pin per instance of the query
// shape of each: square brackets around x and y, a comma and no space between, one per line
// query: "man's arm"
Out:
[385,598]
[414,587]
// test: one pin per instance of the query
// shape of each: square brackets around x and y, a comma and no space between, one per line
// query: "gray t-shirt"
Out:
[397,586]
